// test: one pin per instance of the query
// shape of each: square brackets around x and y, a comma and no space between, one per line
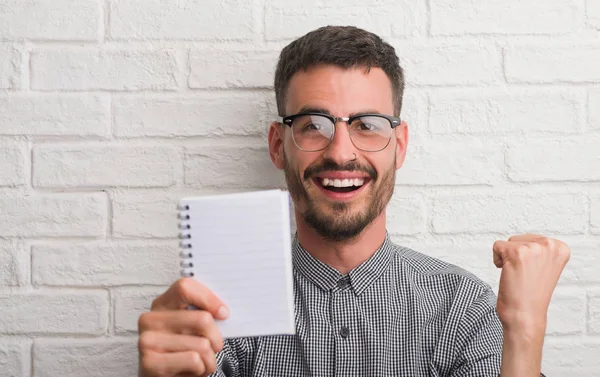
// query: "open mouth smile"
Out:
[339,187]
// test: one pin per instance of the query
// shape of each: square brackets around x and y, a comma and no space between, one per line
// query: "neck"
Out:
[344,255]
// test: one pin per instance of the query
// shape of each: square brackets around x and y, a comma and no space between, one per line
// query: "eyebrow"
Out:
[322,110]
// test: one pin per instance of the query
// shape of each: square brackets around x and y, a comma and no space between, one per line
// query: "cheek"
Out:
[383,164]
[302,161]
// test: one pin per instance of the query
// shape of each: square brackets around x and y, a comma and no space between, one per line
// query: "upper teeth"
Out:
[343,182]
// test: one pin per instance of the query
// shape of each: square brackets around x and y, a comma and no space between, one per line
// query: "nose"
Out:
[341,149]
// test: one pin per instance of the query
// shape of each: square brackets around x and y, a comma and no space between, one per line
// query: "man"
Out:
[364,306]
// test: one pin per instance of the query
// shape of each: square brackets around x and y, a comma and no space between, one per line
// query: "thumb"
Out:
[191,294]
[499,250]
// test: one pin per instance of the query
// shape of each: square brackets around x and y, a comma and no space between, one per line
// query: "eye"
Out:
[313,124]
[365,125]
[311,127]
[370,125]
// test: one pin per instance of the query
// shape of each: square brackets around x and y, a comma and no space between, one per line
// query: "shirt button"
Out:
[343,282]
[344,332]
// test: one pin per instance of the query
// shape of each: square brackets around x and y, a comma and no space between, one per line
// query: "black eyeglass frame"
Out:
[394,122]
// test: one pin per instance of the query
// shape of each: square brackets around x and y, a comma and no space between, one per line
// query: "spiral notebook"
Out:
[239,246]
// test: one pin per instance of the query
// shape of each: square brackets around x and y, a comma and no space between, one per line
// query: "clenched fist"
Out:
[531,266]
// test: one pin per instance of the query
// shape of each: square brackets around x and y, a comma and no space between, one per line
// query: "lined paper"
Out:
[241,247]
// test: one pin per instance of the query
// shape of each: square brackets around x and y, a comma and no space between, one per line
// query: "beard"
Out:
[341,223]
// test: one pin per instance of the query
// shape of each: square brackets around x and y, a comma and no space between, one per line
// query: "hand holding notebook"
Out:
[239,246]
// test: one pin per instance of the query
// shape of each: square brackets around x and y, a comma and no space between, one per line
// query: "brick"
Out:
[451,17]
[54,115]
[15,358]
[188,20]
[576,357]
[584,264]
[406,214]
[594,110]
[516,111]
[510,213]
[232,69]
[49,20]
[595,215]
[54,313]
[593,312]
[415,112]
[443,64]
[106,264]
[53,215]
[85,357]
[593,13]
[129,304]
[104,165]
[14,259]
[8,266]
[146,214]
[476,258]
[385,18]
[216,114]
[80,69]
[553,64]
[554,161]
[567,312]
[10,65]
[430,165]
[229,167]
[12,164]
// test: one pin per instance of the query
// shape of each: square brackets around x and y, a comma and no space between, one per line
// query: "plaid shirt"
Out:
[400,313]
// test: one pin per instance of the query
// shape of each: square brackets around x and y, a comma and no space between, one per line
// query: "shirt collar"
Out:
[327,277]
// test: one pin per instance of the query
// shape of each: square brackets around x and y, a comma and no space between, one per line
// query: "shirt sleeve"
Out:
[232,358]
[481,337]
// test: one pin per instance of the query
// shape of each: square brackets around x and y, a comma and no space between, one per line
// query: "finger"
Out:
[209,359]
[185,322]
[171,364]
[526,237]
[175,343]
[501,250]
[185,292]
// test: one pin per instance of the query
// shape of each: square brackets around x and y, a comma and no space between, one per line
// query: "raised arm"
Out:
[531,266]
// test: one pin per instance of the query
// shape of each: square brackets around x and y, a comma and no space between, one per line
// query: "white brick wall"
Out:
[54,312]
[36,114]
[111,110]
[563,63]
[514,17]
[15,356]
[10,66]
[186,20]
[49,20]
[85,357]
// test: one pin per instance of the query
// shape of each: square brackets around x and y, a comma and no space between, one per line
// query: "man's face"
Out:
[339,214]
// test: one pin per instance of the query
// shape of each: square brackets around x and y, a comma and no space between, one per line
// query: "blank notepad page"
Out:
[239,246]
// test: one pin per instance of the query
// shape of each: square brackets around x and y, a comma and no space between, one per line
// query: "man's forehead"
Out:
[329,86]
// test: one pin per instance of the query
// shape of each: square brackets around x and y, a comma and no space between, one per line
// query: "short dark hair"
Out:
[343,46]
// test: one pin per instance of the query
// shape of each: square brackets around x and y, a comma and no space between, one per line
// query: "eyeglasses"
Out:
[313,132]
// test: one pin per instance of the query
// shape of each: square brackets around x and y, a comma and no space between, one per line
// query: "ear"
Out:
[276,144]
[401,133]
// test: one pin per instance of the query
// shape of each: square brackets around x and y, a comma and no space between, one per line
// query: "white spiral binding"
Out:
[185,243]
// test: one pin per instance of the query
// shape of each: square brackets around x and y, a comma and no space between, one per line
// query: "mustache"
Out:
[329,166]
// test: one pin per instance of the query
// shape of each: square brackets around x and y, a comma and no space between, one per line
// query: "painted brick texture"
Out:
[112,110]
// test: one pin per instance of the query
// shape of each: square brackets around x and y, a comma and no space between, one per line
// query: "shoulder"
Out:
[425,271]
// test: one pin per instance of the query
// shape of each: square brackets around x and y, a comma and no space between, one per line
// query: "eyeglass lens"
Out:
[315,132]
